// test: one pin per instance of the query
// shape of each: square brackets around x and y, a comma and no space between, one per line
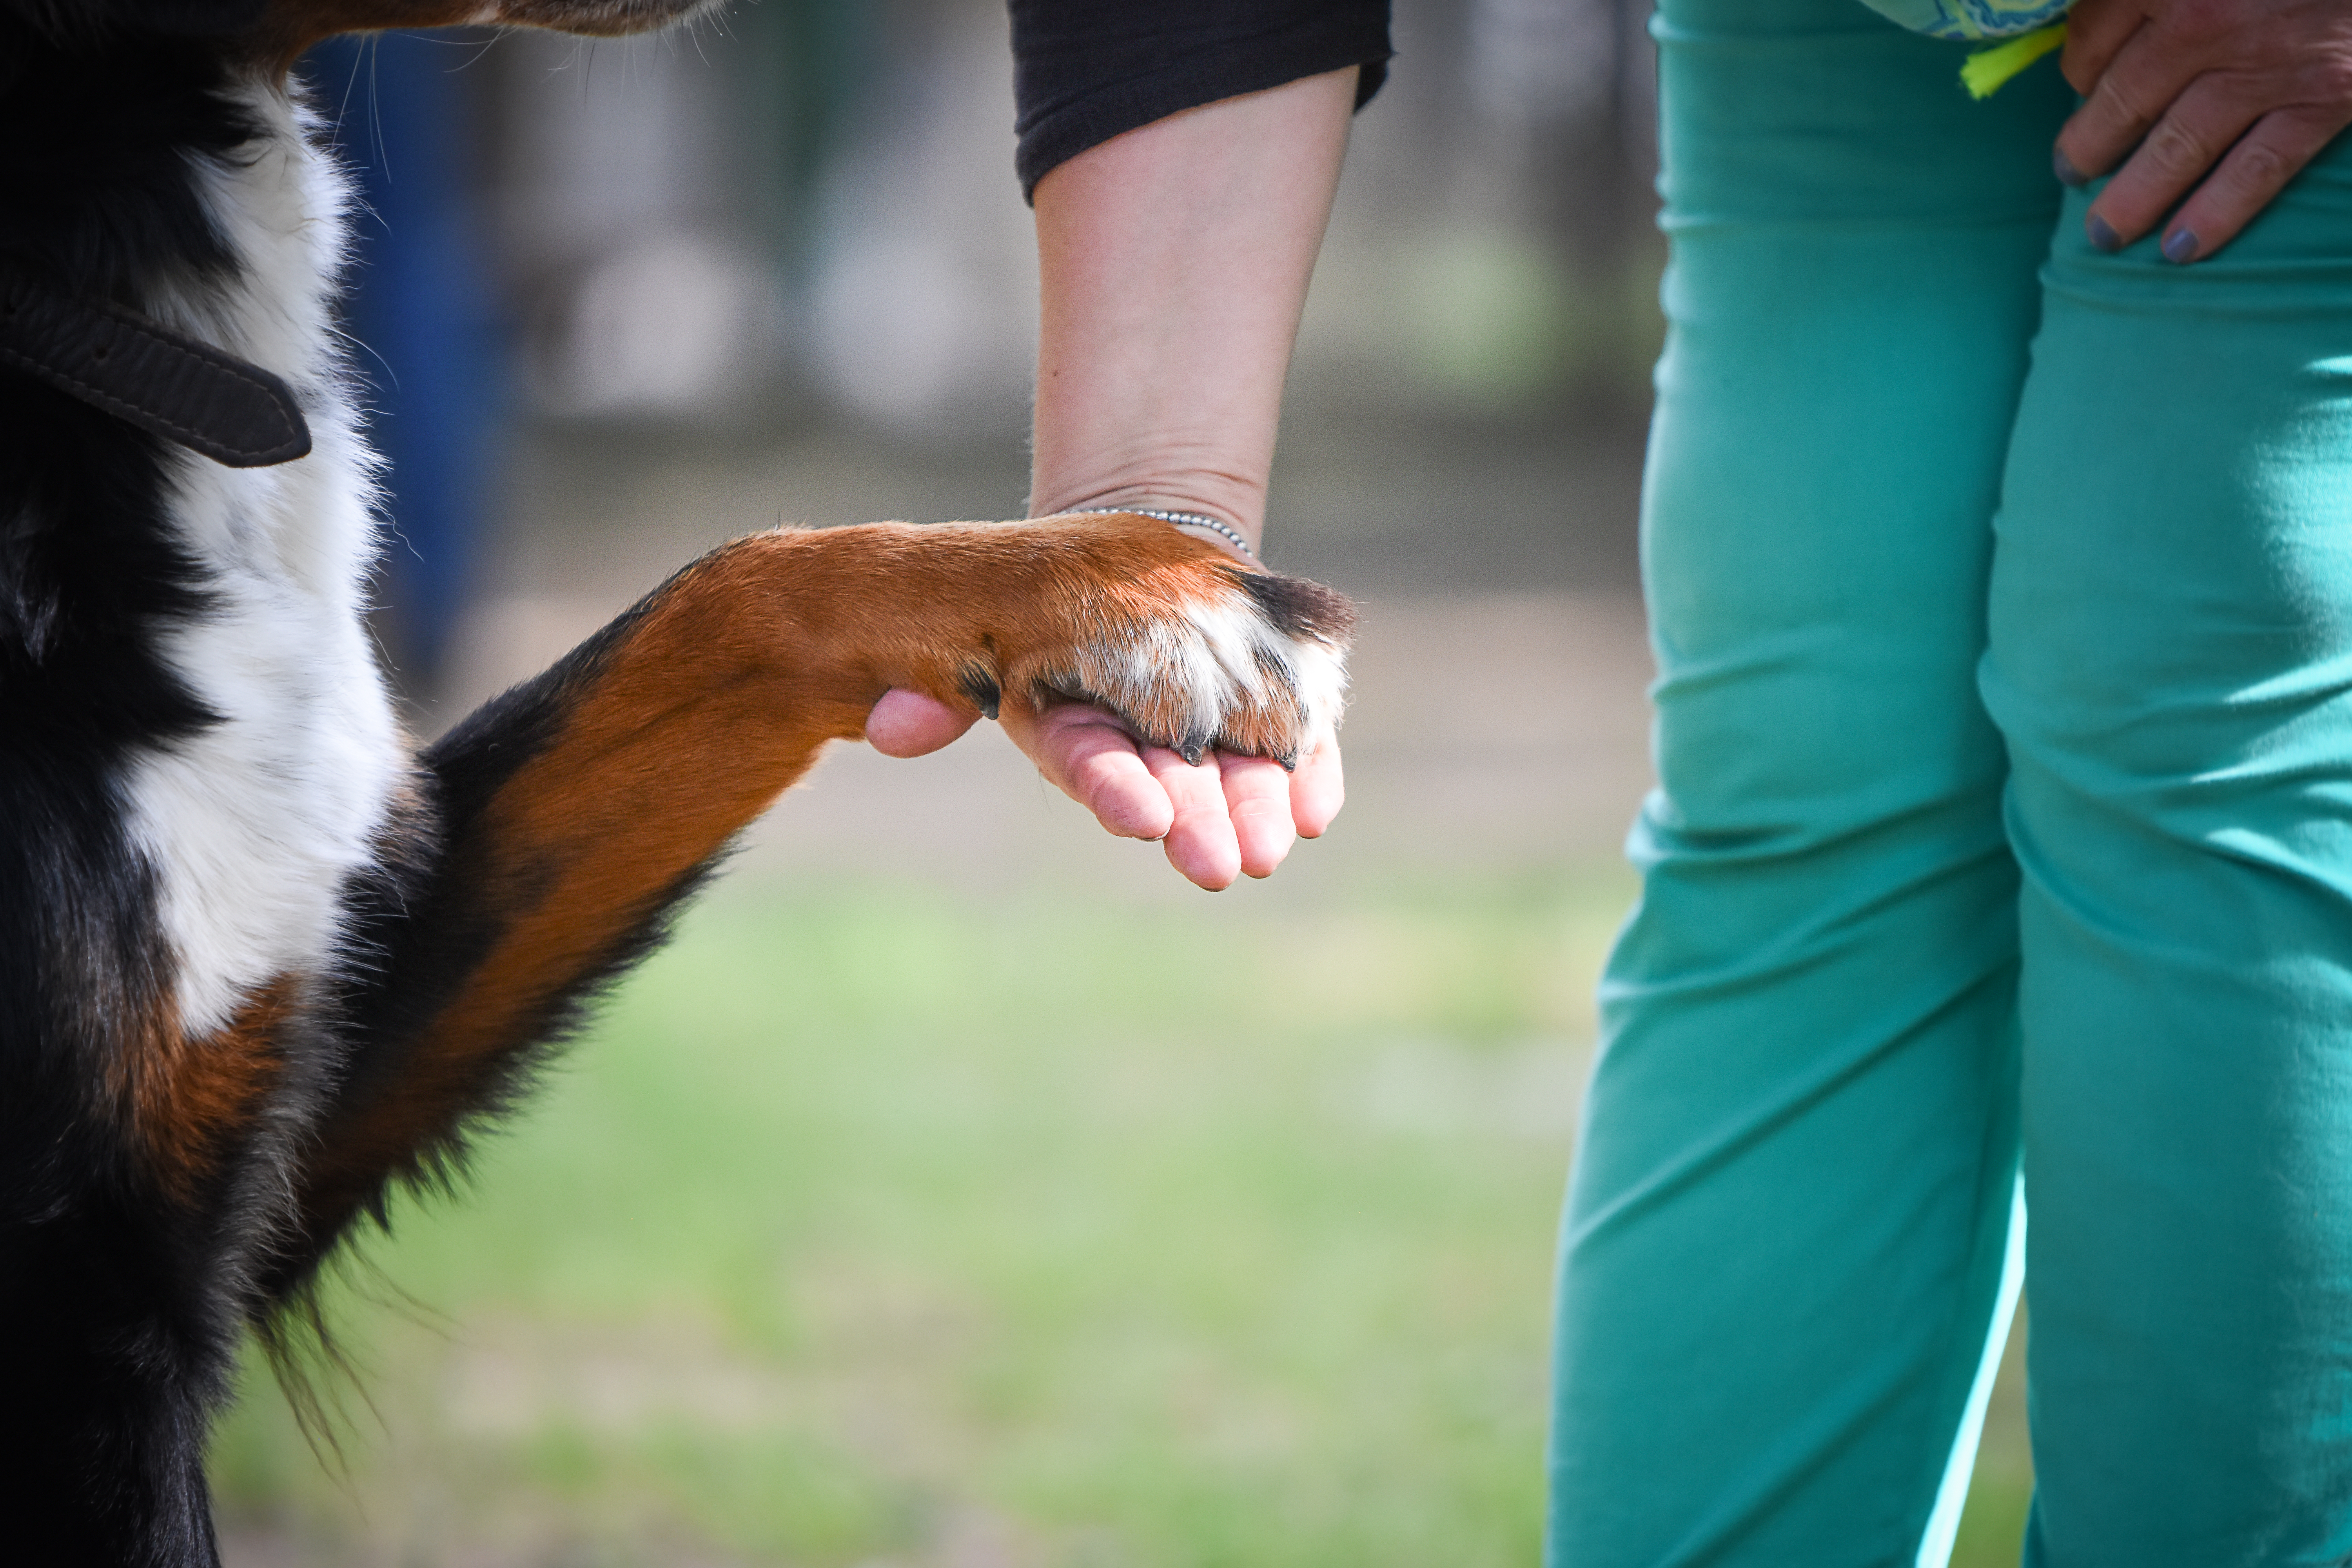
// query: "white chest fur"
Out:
[255,825]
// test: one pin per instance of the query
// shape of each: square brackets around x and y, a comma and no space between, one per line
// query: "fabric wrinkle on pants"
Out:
[2003,598]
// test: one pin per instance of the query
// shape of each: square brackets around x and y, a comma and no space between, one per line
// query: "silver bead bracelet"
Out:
[1187,518]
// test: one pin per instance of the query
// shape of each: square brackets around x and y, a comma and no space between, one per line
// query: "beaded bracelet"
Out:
[1183,519]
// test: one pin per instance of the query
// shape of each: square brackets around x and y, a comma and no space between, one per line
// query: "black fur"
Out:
[1299,608]
[980,686]
[103,1426]
[90,23]
[121,1305]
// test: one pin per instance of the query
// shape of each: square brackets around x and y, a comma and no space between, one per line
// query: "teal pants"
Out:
[2002,593]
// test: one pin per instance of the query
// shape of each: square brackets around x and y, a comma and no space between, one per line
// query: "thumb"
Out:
[907,724]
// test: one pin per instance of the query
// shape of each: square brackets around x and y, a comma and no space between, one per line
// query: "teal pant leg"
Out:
[2171,663]
[1788,1221]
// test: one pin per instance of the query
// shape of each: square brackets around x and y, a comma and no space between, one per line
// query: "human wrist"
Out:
[1238,505]
[1214,530]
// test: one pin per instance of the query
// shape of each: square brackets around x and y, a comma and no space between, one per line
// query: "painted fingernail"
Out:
[2067,173]
[2102,234]
[2181,244]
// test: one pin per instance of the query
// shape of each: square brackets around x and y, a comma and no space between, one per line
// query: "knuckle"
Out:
[2258,165]
[2117,104]
[2176,149]
[2201,20]
[2312,85]
[2328,74]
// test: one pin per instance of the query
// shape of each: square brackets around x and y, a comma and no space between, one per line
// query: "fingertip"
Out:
[1206,851]
[1130,805]
[1265,845]
[1203,864]
[1151,824]
[1313,811]
[909,724]
[1317,790]
[1202,845]
[2247,180]
[1257,799]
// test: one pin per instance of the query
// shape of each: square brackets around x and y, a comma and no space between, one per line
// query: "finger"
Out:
[2148,75]
[2095,29]
[2255,170]
[1200,842]
[1316,789]
[1085,753]
[1109,777]
[1257,801]
[907,724]
[2187,142]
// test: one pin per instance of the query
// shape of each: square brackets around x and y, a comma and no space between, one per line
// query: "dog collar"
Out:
[144,373]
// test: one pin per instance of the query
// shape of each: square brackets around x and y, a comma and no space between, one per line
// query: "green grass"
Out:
[898,1227]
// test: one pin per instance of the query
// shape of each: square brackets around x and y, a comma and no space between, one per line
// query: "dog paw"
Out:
[1194,650]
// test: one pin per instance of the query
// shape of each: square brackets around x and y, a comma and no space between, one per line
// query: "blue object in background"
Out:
[431,347]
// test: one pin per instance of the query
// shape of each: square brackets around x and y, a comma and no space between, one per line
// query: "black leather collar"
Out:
[145,374]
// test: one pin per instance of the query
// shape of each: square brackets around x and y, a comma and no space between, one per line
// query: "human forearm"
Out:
[1173,265]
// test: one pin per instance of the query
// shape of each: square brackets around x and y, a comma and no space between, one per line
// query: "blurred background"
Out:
[963,1189]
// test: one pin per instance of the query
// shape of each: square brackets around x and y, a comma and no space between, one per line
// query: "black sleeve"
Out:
[1084,70]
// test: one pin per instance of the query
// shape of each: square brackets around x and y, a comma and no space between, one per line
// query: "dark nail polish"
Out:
[2181,246]
[2067,173]
[2102,234]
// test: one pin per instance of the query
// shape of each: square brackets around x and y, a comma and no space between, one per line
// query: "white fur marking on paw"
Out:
[1216,658]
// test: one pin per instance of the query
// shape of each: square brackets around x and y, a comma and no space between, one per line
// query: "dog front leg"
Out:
[557,828]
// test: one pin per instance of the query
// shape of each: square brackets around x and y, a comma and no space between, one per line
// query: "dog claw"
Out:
[986,695]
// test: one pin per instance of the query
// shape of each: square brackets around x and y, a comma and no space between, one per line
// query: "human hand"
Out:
[1160,370]
[1226,817]
[2230,96]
